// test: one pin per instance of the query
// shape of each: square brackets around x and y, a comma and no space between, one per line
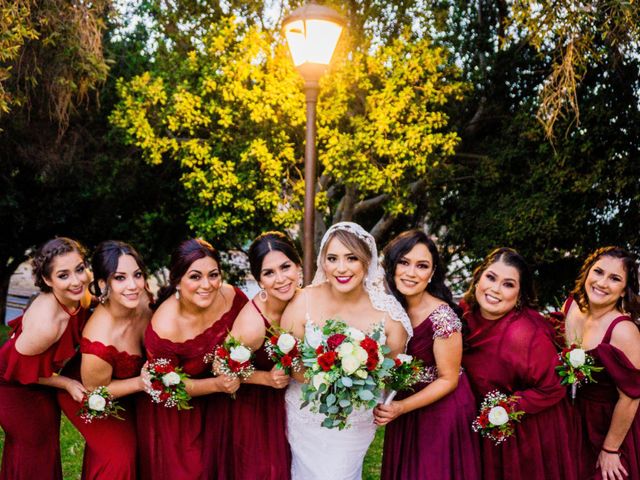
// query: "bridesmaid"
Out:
[112,357]
[509,348]
[43,339]
[428,434]
[259,420]
[195,312]
[603,313]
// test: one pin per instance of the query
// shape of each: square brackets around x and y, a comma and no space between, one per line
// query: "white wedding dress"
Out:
[320,453]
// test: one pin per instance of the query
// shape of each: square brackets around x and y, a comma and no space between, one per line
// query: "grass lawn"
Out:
[72,446]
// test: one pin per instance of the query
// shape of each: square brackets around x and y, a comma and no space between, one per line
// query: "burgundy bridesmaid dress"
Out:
[110,450]
[434,442]
[596,401]
[29,413]
[259,438]
[516,355]
[172,444]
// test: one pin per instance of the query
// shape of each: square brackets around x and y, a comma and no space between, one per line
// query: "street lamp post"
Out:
[312,32]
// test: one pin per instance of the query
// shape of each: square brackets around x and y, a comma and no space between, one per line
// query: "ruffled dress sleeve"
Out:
[619,367]
[124,364]
[27,369]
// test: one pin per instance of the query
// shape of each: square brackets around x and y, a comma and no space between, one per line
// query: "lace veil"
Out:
[373,280]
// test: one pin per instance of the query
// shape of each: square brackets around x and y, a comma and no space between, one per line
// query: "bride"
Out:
[348,286]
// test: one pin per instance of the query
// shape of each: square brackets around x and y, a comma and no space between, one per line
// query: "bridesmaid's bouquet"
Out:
[98,404]
[406,372]
[497,417]
[166,384]
[284,350]
[576,367]
[231,358]
[346,370]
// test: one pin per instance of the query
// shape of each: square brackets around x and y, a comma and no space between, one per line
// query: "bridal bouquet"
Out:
[346,369]
[284,350]
[99,403]
[406,372]
[497,417]
[167,384]
[576,367]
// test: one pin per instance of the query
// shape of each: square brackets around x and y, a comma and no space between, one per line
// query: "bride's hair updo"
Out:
[354,244]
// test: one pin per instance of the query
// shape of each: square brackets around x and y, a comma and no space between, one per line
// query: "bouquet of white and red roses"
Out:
[284,350]
[346,369]
[406,372]
[166,384]
[576,367]
[231,358]
[97,404]
[497,417]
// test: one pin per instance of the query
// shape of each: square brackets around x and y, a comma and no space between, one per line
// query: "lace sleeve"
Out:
[445,322]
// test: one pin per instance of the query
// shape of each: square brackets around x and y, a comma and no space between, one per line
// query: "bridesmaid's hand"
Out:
[145,379]
[75,389]
[228,384]
[386,413]
[277,378]
[611,466]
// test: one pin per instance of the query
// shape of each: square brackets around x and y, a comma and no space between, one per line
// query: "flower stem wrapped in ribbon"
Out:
[346,369]
[497,417]
[166,384]
[98,404]
[406,372]
[576,367]
[284,350]
[232,359]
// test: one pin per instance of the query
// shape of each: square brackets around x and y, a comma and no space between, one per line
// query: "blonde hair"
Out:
[355,244]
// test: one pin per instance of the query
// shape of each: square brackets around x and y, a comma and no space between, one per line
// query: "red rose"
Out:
[483,420]
[157,385]
[579,375]
[327,360]
[335,340]
[397,362]
[372,363]
[222,352]
[164,396]
[370,345]
[163,368]
[320,350]
[274,340]
[233,365]
[294,351]
[286,361]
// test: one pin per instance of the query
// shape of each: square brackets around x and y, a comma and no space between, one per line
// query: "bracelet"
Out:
[612,452]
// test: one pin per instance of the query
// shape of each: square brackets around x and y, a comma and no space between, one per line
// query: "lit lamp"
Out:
[312,32]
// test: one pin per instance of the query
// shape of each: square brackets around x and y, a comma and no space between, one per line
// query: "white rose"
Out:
[318,379]
[361,354]
[97,403]
[313,337]
[286,342]
[577,357]
[355,334]
[404,358]
[345,349]
[240,354]
[350,364]
[170,379]
[498,416]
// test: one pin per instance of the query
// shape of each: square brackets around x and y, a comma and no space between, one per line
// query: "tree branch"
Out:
[382,226]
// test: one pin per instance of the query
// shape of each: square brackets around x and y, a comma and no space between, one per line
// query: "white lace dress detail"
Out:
[320,453]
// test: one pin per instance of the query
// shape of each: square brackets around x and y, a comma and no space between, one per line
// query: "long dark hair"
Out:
[104,262]
[42,260]
[527,296]
[270,242]
[181,259]
[630,301]
[399,247]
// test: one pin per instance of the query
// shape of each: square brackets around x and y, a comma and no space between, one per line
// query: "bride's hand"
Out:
[277,378]
[386,413]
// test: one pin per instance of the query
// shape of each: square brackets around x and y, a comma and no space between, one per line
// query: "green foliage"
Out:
[231,112]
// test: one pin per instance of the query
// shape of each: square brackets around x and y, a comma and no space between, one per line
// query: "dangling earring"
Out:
[518,304]
[262,295]
[177,293]
[300,280]
[104,296]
